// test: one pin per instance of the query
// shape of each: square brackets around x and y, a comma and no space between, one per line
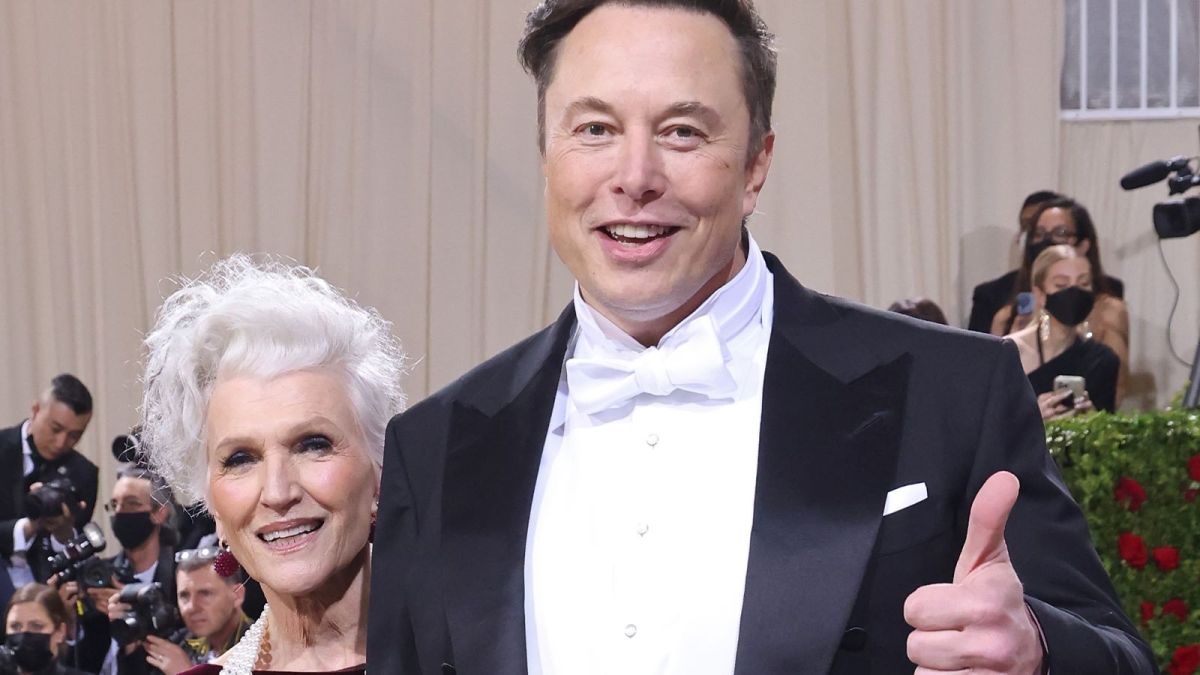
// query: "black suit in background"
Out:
[855,403]
[990,296]
[82,473]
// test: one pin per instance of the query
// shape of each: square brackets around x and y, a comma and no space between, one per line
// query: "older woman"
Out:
[35,626]
[1051,345]
[266,397]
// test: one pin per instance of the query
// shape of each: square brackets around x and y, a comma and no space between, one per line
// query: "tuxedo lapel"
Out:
[829,440]
[497,432]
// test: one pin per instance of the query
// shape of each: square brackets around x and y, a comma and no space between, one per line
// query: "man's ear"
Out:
[756,174]
[159,516]
[37,405]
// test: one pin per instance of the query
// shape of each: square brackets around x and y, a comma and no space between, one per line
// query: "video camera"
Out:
[49,500]
[67,563]
[151,613]
[1174,218]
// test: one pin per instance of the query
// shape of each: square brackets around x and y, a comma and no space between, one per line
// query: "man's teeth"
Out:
[290,532]
[636,231]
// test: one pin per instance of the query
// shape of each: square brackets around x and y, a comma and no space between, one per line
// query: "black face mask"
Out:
[132,529]
[31,651]
[1032,250]
[1071,305]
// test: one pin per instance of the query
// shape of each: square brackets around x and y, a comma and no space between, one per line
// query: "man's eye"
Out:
[683,132]
[594,129]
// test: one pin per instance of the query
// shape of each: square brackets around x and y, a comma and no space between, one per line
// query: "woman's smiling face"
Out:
[290,482]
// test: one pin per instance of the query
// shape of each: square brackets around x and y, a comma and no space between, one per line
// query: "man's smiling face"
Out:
[647,177]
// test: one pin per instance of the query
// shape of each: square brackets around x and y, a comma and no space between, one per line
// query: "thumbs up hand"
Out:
[978,623]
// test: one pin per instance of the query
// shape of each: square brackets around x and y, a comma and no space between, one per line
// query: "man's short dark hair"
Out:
[159,491]
[66,388]
[1039,197]
[552,20]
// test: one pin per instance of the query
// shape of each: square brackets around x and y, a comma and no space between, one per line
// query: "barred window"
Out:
[1131,59]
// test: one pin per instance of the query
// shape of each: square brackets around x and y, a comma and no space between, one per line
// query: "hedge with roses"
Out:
[1137,478]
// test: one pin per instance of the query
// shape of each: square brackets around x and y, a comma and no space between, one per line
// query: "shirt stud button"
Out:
[652,440]
[630,630]
[642,529]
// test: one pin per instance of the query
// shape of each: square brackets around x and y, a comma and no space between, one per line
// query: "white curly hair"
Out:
[258,319]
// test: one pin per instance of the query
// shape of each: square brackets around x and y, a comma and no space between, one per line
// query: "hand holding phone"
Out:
[1074,384]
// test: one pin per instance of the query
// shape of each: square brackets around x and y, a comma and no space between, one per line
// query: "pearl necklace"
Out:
[242,657]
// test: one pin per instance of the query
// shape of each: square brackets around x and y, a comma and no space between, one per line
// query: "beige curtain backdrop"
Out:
[391,143]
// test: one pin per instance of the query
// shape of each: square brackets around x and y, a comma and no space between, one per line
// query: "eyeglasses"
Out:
[1059,235]
[202,553]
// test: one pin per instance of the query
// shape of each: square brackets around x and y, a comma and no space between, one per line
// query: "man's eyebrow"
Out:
[694,108]
[588,104]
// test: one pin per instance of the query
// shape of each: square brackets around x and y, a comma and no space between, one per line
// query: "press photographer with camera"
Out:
[138,587]
[36,624]
[47,489]
[211,608]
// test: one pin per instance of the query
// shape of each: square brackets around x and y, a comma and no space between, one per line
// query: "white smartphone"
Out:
[1074,383]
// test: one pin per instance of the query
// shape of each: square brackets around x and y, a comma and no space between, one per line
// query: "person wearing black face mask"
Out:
[990,296]
[1065,221]
[1051,345]
[35,624]
[138,513]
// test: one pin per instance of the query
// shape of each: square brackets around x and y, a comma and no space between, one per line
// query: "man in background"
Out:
[211,608]
[40,469]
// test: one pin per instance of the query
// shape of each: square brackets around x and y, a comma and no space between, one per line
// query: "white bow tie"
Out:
[694,360]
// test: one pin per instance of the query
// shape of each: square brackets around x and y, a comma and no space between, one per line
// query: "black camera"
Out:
[67,562]
[8,661]
[48,501]
[151,613]
[99,573]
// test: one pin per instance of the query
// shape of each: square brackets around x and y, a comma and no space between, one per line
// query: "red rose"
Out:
[1132,549]
[1194,467]
[1190,495]
[1185,661]
[1130,492]
[1147,608]
[1166,557]
[1176,607]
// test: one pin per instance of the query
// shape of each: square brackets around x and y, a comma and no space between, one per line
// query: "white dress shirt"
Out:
[639,531]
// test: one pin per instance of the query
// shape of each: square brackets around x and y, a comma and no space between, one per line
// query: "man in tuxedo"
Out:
[701,466]
[40,451]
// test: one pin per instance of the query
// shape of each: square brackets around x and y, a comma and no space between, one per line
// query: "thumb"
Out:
[985,529]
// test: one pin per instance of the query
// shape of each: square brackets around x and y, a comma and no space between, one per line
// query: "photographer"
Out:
[47,489]
[35,626]
[211,607]
[139,508]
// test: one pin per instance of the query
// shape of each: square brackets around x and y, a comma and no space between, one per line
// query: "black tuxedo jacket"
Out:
[856,402]
[83,474]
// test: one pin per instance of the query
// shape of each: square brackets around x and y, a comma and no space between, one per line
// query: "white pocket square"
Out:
[903,497]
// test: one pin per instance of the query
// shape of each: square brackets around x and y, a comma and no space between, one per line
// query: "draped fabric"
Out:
[391,143]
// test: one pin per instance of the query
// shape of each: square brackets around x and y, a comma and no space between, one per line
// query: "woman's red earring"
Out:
[225,564]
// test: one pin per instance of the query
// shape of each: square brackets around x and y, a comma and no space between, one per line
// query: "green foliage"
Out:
[1095,452]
